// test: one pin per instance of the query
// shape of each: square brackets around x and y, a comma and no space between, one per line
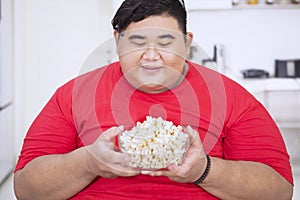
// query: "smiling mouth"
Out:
[151,68]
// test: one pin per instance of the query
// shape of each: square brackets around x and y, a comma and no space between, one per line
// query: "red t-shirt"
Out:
[232,125]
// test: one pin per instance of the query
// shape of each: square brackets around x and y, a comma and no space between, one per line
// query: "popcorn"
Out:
[154,144]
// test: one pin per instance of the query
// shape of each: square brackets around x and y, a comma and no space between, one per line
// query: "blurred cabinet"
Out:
[284,106]
[281,97]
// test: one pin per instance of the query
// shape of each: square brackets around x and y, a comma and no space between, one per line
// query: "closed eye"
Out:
[138,43]
[164,44]
[165,40]
[137,40]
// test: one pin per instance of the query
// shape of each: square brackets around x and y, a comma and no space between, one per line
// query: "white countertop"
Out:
[271,84]
[259,85]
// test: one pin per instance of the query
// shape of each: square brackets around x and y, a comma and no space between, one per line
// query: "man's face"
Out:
[152,53]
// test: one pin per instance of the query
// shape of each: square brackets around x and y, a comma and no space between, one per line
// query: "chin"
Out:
[151,82]
[152,87]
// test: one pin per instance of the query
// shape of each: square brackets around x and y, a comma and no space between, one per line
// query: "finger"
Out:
[195,146]
[111,164]
[170,171]
[111,133]
[175,173]
[117,158]
[156,173]
[195,141]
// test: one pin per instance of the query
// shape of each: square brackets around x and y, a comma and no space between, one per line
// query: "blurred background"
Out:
[45,43]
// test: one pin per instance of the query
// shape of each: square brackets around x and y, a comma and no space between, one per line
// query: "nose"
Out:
[151,53]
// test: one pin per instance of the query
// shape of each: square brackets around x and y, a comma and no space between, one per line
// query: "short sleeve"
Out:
[53,130]
[252,135]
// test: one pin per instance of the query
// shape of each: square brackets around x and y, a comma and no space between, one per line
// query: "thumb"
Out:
[111,133]
[194,137]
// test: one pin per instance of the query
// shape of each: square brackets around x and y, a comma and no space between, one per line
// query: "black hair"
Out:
[137,10]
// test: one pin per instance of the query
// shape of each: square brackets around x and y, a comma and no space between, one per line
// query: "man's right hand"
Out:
[102,158]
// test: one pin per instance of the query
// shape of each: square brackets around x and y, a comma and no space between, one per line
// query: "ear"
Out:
[189,40]
[116,37]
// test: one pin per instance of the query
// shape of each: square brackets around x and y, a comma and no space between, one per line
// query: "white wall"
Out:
[253,38]
[52,40]
[54,37]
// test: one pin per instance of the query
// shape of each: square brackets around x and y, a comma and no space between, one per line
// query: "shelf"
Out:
[266,6]
[242,6]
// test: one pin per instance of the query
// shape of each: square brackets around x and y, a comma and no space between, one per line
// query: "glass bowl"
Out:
[154,144]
